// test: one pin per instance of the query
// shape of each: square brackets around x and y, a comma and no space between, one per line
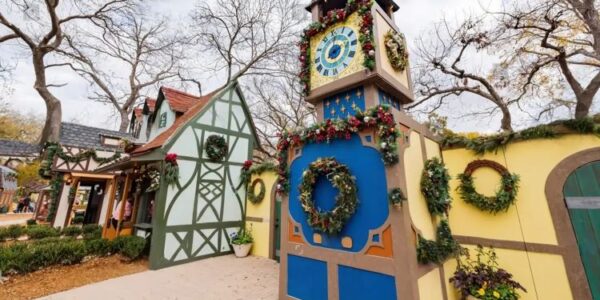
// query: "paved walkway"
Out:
[10,219]
[224,277]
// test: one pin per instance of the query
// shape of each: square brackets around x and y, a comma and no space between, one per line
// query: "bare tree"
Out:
[245,36]
[563,35]
[124,56]
[42,33]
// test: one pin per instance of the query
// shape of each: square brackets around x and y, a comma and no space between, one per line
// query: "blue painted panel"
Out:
[361,284]
[366,165]
[344,104]
[385,98]
[307,278]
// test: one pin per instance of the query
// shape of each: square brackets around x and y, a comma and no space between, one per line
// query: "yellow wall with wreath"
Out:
[529,220]
[258,216]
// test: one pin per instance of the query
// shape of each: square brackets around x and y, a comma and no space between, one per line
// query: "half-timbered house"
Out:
[192,218]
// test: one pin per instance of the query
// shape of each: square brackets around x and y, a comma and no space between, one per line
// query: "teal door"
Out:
[582,195]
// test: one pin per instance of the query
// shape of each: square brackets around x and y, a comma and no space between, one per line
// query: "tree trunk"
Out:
[582,108]
[506,122]
[124,120]
[51,131]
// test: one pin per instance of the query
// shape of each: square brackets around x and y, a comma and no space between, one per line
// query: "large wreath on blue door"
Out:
[346,201]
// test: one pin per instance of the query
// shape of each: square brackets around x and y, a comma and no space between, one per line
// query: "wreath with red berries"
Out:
[505,195]
[331,222]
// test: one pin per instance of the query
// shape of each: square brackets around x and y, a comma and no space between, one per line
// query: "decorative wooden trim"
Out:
[254,219]
[512,245]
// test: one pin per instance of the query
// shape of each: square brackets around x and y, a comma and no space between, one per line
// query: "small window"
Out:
[163,120]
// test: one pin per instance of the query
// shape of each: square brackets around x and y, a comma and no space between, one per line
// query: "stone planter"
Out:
[242,250]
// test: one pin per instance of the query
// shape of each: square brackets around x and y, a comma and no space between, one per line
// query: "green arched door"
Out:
[582,196]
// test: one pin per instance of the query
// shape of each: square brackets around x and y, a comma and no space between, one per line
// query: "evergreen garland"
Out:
[439,250]
[492,143]
[505,195]
[252,196]
[171,169]
[378,118]
[331,222]
[53,149]
[435,187]
[250,169]
[395,48]
[55,185]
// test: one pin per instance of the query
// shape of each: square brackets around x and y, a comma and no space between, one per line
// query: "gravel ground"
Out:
[224,277]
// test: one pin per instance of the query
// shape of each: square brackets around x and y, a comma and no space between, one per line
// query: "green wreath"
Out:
[395,47]
[346,201]
[252,197]
[505,195]
[216,148]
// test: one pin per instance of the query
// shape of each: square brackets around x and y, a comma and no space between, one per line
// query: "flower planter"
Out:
[242,250]
[472,298]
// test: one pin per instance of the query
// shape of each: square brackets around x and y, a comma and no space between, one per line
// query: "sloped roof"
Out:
[82,136]
[17,148]
[179,101]
[164,136]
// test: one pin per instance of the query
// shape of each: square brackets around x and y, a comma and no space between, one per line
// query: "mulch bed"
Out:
[60,278]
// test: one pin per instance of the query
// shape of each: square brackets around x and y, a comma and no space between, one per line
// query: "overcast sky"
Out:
[413,18]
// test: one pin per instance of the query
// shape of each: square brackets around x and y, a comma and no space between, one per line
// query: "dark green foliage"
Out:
[3,234]
[29,257]
[256,169]
[91,231]
[78,219]
[40,232]
[439,250]
[434,186]
[131,247]
[492,143]
[15,231]
[31,222]
[504,198]
[73,231]
[100,247]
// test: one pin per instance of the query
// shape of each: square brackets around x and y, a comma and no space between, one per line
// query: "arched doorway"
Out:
[582,196]
[557,190]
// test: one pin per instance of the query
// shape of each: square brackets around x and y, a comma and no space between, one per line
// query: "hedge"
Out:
[36,232]
[29,257]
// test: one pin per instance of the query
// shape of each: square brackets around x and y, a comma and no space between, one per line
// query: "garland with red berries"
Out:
[346,201]
[379,118]
[171,169]
[366,39]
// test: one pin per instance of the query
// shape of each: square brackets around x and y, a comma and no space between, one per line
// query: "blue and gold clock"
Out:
[335,51]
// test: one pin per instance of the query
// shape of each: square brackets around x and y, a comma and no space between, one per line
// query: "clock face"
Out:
[335,51]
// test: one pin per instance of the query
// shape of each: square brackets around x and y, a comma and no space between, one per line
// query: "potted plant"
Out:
[481,278]
[241,242]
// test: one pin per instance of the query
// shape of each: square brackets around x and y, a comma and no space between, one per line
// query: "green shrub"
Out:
[3,234]
[131,247]
[78,219]
[15,231]
[91,231]
[73,231]
[40,232]
[100,247]
[29,257]
[31,222]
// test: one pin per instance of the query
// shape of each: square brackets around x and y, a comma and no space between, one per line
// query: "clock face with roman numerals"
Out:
[335,51]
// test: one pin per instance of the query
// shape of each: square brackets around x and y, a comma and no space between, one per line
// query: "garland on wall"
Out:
[378,117]
[346,201]
[152,176]
[367,41]
[249,169]
[55,185]
[395,48]
[53,149]
[252,196]
[435,188]
[492,143]
[216,148]
[171,169]
[505,195]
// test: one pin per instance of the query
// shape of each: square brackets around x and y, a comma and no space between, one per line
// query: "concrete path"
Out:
[11,219]
[224,277]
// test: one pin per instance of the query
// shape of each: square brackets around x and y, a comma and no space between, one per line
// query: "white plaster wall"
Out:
[63,207]
[107,192]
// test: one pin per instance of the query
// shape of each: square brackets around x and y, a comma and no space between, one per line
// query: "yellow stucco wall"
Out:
[261,230]
[429,285]
[529,220]
[413,164]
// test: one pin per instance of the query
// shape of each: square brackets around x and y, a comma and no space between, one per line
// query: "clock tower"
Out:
[352,213]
